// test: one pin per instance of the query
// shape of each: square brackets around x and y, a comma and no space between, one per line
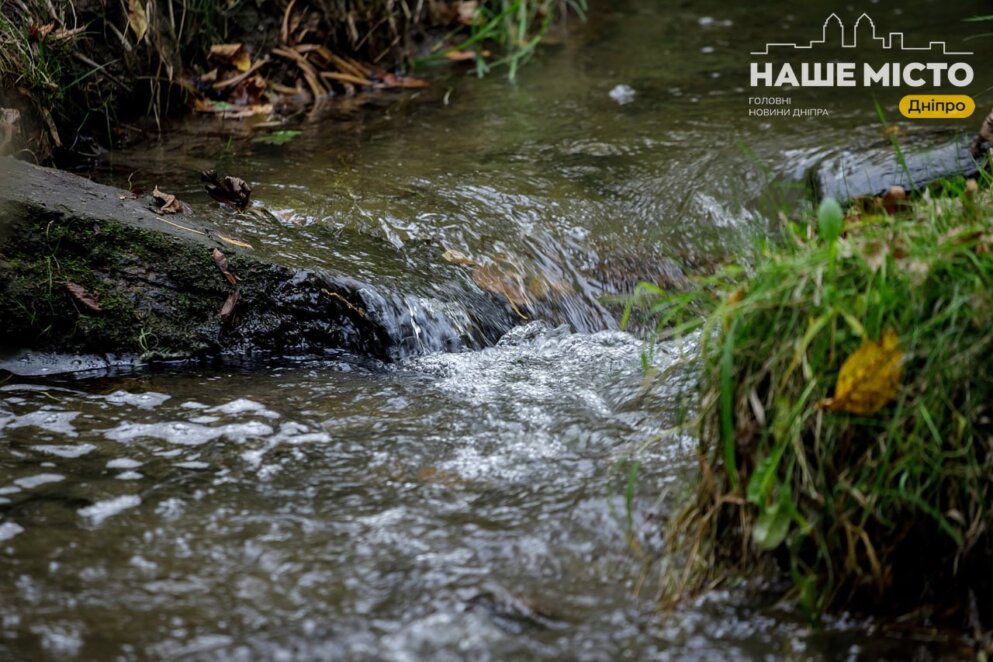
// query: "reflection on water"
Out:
[453,505]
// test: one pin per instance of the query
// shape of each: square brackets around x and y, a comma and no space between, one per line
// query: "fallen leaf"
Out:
[229,190]
[467,11]
[874,254]
[869,378]
[137,19]
[235,54]
[40,32]
[894,199]
[403,82]
[80,294]
[228,308]
[460,56]
[971,188]
[168,203]
[221,261]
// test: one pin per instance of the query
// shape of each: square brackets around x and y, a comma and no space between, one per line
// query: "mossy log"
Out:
[86,268]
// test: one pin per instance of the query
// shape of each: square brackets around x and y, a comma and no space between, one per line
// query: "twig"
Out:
[100,67]
[353,307]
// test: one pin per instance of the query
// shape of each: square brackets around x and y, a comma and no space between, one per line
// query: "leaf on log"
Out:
[222,264]
[168,203]
[228,308]
[80,294]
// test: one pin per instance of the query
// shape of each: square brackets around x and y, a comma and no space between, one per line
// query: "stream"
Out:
[457,504]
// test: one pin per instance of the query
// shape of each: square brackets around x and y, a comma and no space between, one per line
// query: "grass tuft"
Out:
[883,512]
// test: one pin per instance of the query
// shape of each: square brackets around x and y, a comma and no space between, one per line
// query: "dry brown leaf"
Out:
[392,81]
[228,308]
[460,56]
[229,190]
[235,54]
[221,261]
[869,378]
[137,19]
[971,188]
[80,294]
[894,199]
[467,10]
[40,32]
[874,254]
[168,203]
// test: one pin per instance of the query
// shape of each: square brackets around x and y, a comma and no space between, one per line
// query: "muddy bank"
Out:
[87,268]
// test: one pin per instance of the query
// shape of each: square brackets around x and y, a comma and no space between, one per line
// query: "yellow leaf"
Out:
[137,18]
[233,53]
[869,378]
[233,241]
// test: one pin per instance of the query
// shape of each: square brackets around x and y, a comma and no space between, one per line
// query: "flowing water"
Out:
[448,505]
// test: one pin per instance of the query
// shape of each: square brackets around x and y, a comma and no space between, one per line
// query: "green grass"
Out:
[887,512]
[515,28]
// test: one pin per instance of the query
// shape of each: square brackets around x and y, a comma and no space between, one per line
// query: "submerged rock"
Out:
[90,269]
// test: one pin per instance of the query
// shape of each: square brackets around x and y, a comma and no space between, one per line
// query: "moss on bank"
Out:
[886,511]
[84,268]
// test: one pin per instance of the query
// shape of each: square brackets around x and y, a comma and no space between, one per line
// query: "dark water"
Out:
[452,505]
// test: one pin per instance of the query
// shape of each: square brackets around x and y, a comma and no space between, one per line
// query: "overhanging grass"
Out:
[76,68]
[882,512]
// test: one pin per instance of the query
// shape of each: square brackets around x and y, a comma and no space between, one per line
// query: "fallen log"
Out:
[873,171]
[90,269]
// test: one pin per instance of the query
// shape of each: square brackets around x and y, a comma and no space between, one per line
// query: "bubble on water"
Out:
[101,510]
[61,641]
[66,451]
[143,564]
[192,464]
[142,400]
[123,463]
[9,529]
[171,508]
[186,434]
[622,94]
[57,422]
[29,482]
[244,406]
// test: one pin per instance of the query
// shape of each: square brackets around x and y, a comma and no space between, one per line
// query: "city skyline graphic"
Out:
[834,24]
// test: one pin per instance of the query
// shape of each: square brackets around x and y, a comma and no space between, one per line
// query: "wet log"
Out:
[872,171]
